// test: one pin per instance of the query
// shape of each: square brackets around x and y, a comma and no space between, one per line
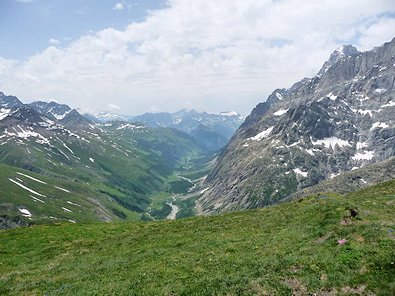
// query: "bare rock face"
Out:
[336,122]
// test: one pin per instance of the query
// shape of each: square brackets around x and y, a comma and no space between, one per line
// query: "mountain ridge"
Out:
[319,127]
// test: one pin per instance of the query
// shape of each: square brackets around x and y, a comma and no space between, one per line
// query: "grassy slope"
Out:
[85,203]
[291,247]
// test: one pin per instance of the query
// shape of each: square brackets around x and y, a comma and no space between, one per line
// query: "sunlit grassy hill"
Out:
[326,244]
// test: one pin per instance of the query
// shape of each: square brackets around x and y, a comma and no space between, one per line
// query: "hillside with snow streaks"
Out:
[112,169]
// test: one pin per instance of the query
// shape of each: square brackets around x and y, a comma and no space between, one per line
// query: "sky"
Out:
[136,56]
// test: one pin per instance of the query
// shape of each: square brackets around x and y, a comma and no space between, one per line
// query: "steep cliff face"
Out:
[340,120]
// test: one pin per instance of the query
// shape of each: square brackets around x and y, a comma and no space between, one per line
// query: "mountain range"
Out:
[339,122]
[211,130]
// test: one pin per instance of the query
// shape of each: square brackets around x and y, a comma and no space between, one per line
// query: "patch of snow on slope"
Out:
[389,104]
[68,148]
[4,113]
[368,155]
[26,188]
[36,199]
[380,90]
[333,175]
[73,203]
[204,190]
[310,151]
[331,142]
[262,135]
[60,188]
[379,125]
[30,177]
[25,212]
[24,134]
[300,172]
[66,210]
[280,112]
[361,145]
[229,113]
[279,96]
[364,112]
[332,97]
[128,125]
[91,159]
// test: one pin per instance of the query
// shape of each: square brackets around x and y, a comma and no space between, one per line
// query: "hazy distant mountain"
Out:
[338,121]
[212,131]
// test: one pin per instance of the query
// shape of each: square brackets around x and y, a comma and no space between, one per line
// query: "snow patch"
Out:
[279,96]
[66,210]
[91,159]
[131,126]
[4,113]
[73,203]
[229,113]
[36,199]
[389,104]
[30,177]
[332,142]
[361,145]
[204,190]
[280,112]
[26,188]
[367,155]
[380,90]
[262,135]
[60,188]
[310,151]
[25,212]
[300,172]
[379,125]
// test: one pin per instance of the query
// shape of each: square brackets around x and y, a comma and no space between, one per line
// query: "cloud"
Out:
[54,41]
[119,6]
[209,54]
[114,107]
[24,1]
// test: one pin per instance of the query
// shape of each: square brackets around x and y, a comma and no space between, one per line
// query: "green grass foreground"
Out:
[291,248]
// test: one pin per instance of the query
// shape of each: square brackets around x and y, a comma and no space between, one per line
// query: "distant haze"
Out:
[132,57]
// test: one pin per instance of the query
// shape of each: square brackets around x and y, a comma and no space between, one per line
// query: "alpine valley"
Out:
[57,165]
[317,159]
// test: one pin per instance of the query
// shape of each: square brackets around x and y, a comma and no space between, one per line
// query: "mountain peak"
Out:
[340,52]
[343,51]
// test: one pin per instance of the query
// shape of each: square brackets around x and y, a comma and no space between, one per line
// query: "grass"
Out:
[291,248]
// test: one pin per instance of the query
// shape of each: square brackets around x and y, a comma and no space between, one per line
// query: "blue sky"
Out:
[26,27]
[134,56]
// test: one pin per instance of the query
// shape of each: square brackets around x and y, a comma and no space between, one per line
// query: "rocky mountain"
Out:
[107,116]
[338,121]
[57,165]
[212,131]
[52,110]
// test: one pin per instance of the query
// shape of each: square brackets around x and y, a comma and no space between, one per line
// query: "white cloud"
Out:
[209,54]
[118,6]
[114,107]
[54,41]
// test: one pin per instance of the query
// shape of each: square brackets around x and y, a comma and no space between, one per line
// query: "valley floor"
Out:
[326,244]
